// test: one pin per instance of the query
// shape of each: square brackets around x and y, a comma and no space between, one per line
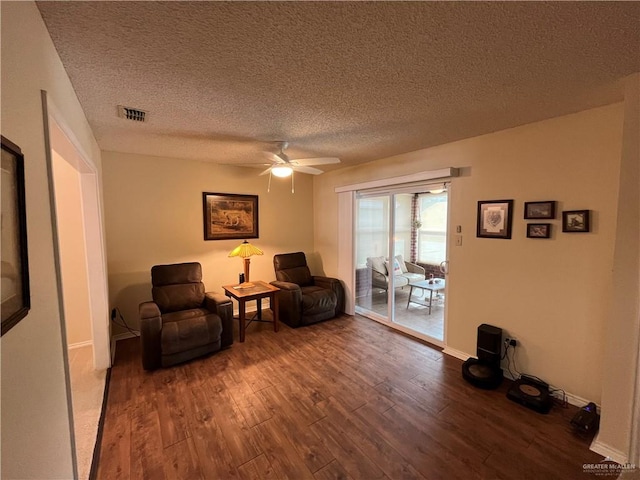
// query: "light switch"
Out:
[458,240]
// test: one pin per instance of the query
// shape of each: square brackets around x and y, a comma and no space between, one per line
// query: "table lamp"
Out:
[244,251]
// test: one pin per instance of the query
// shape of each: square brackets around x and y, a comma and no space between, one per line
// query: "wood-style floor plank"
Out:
[405,392]
[147,455]
[169,395]
[280,452]
[116,443]
[343,399]
[239,438]
[257,469]
[306,443]
[347,451]
[426,434]
[333,471]
[216,461]
[366,434]
[182,462]
[249,404]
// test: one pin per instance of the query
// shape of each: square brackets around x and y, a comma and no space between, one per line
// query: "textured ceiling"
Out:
[356,80]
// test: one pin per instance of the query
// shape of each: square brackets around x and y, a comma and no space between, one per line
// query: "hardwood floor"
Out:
[344,399]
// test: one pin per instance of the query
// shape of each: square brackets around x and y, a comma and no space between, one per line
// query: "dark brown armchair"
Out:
[182,322]
[304,299]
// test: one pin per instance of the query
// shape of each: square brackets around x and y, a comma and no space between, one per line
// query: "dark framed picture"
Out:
[495,218]
[539,210]
[16,299]
[574,221]
[538,230]
[229,216]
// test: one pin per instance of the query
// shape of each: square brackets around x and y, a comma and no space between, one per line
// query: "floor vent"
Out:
[134,114]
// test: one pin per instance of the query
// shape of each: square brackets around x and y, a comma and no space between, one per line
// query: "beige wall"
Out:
[36,438]
[73,257]
[552,295]
[153,215]
[623,323]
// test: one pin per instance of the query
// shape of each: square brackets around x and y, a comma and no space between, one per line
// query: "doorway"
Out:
[400,257]
[80,261]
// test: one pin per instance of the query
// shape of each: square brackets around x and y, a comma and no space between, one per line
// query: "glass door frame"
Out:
[369,313]
[391,192]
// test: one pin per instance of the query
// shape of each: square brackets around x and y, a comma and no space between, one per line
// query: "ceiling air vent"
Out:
[129,113]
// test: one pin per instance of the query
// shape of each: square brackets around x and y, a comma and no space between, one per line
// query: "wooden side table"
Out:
[259,291]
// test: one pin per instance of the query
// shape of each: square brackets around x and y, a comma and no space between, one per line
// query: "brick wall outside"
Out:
[432,269]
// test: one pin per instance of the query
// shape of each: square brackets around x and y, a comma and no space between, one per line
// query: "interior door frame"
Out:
[60,138]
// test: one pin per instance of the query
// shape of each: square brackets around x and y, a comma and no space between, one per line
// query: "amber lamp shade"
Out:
[244,251]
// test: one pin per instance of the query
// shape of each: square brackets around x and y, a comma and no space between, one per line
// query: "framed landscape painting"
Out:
[15,268]
[229,216]
[495,218]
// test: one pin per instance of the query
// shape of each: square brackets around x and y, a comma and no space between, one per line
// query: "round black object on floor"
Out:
[482,374]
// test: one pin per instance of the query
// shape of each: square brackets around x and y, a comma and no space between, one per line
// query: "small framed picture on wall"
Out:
[575,221]
[495,218]
[16,297]
[538,230]
[540,210]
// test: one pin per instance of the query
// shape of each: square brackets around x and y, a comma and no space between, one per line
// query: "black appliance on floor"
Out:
[587,419]
[485,371]
[531,392]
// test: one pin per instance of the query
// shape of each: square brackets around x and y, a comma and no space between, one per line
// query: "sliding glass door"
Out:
[372,233]
[424,308]
[400,243]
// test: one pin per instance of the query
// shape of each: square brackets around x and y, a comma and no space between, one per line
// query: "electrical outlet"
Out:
[513,342]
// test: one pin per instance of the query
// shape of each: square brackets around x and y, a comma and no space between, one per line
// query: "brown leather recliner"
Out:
[182,322]
[304,299]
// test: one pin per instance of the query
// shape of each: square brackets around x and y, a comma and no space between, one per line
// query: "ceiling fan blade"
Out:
[309,170]
[280,157]
[316,161]
[249,165]
[265,172]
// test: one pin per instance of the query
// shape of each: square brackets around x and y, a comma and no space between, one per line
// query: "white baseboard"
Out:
[88,343]
[608,452]
[457,353]
[578,401]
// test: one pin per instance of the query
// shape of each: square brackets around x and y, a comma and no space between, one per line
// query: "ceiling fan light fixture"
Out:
[282,171]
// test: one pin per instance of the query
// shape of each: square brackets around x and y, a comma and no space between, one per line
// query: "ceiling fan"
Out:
[283,166]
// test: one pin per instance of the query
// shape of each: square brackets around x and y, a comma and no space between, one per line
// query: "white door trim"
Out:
[67,145]
[418,178]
